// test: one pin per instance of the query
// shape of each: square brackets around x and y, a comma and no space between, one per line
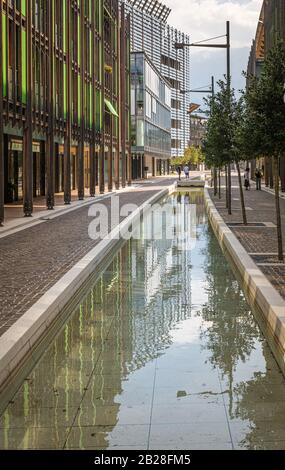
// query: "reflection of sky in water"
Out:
[163,352]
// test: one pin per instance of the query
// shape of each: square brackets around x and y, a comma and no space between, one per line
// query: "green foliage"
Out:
[218,142]
[193,155]
[264,126]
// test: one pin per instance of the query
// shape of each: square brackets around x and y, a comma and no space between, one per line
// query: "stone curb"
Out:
[18,342]
[260,292]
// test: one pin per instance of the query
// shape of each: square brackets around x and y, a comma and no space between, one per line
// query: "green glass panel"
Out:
[111,108]
[90,107]
[24,66]
[78,40]
[23,7]
[64,91]
[79,98]
[98,114]
[90,52]
[4,52]
[64,27]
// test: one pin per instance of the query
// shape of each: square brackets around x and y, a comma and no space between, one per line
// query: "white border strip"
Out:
[261,292]
[17,342]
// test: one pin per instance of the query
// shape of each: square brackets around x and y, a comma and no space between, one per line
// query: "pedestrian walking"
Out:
[186,171]
[187,198]
[258,176]
[178,169]
[246,179]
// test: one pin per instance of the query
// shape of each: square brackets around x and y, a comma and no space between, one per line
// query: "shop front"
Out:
[14,172]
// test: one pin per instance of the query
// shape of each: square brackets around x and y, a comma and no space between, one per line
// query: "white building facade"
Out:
[151,33]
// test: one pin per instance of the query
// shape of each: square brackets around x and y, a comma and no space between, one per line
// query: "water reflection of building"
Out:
[94,341]
[124,322]
[252,384]
[161,269]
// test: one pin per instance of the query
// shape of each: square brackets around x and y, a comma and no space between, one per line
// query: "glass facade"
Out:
[65,77]
[151,116]
[150,33]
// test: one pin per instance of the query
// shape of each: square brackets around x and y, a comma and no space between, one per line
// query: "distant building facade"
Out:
[271,25]
[150,33]
[197,130]
[150,119]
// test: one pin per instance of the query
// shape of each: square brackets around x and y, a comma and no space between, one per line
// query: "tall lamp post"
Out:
[227,46]
[203,90]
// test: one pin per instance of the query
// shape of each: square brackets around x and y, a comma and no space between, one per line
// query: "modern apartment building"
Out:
[64,99]
[150,118]
[151,33]
[197,130]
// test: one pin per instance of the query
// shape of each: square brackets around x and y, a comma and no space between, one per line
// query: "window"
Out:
[173,83]
[169,62]
[154,105]
[175,143]
[148,105]
[167,96]
[151,79]
[175,104]
[175,124]
[140,133]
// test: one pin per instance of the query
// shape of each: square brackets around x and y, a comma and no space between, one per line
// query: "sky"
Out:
[202,19]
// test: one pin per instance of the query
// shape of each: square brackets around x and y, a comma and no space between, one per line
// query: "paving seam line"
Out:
[259,290]
[18,342]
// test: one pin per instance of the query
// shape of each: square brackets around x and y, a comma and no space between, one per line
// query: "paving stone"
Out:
[34,259]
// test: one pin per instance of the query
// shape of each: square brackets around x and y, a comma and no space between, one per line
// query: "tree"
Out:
[194,155]
[265,119]
[239,146]
[224,141]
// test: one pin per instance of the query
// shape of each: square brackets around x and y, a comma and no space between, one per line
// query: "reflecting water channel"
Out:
[162,353]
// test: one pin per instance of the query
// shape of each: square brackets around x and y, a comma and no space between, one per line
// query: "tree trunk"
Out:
[244,218]
[277,204]
[266,171]
[229,190]
[215,182]
[282,172]
[271,173]
[220,195]
[226,180]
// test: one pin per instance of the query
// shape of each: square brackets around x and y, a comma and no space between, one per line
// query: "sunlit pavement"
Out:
[162,353]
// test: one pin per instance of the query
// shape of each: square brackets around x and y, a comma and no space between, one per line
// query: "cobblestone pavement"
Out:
[260,241]
[33,260]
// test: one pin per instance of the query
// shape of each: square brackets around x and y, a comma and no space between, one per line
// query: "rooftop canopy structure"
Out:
[153,8]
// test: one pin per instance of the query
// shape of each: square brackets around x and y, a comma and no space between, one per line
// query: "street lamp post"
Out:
[226,46]
[211,90]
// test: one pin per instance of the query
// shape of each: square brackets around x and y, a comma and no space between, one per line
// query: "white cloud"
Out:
[202,19]
[206,18]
